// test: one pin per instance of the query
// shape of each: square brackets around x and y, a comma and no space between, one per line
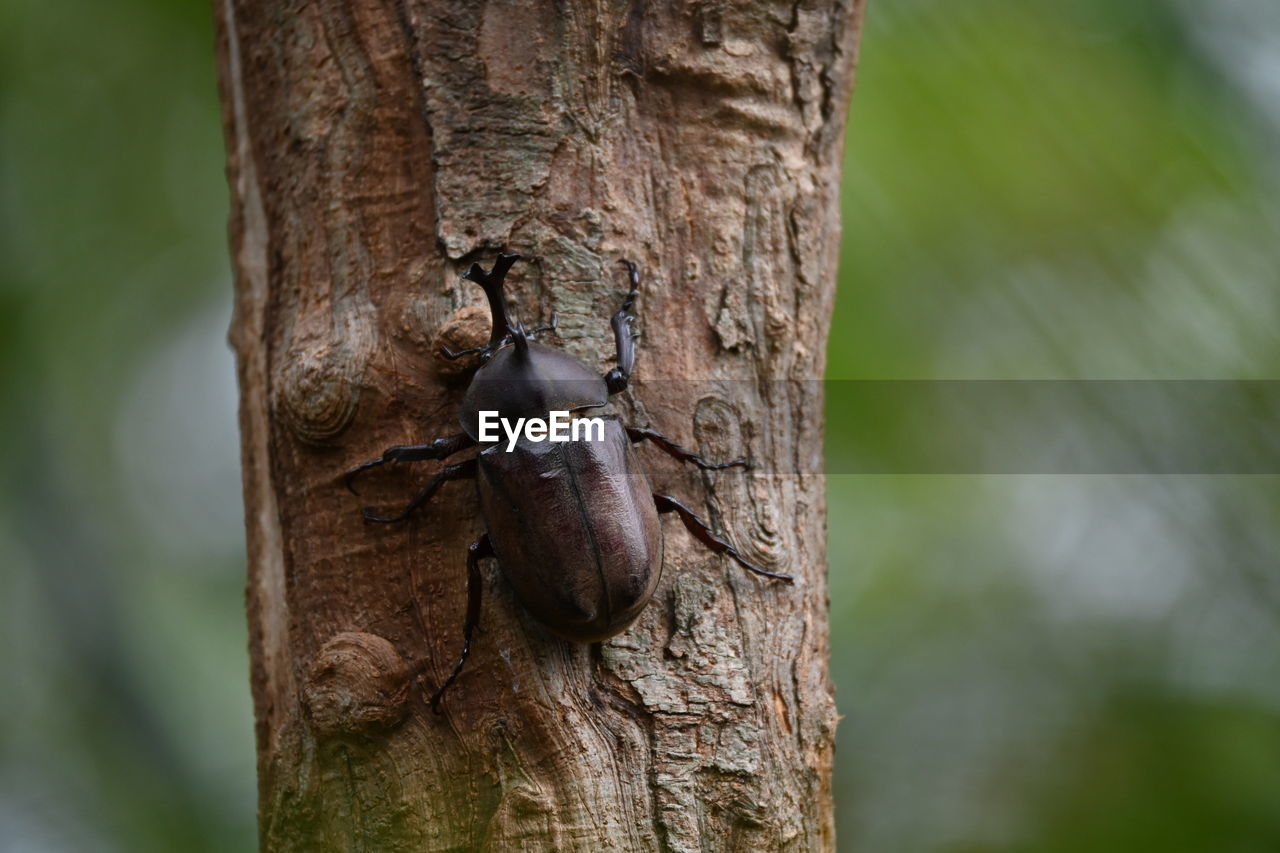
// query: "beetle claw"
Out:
[750,566]
[486,351]
[740,462]
[370,516]
[549,327]
[452,355]
[349,478]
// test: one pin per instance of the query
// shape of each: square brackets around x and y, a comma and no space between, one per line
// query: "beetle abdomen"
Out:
[575,530]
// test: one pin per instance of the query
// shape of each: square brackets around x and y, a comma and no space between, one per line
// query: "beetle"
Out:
[573,525]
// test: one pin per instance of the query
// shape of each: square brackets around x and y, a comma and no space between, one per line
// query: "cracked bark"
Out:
[375,149]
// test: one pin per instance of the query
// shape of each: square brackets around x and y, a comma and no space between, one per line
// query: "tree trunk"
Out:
[378,147]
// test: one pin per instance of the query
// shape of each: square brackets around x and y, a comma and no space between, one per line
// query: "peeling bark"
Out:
[376,148]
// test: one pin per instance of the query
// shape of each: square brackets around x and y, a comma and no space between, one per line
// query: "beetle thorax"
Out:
[530,381]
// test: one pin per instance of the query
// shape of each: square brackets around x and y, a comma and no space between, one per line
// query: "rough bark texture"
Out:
[376,148]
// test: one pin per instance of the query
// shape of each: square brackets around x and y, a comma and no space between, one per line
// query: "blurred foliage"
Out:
[121,538]
[1065,663]
[1033,190]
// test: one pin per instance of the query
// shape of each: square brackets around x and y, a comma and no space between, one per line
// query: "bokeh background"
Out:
[1025,662]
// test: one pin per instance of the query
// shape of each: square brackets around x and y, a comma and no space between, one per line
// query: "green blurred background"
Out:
[1034,190]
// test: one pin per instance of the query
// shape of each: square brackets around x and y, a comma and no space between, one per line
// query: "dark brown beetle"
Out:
[573,525]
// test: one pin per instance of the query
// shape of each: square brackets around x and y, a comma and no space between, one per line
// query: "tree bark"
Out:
[378,147]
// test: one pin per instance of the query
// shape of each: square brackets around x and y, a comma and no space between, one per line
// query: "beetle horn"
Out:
[520,338]
[491,282]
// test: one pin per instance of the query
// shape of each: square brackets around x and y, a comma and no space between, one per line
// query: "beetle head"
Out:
[523,378]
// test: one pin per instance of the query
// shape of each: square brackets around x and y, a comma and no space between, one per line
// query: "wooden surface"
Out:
[375,150]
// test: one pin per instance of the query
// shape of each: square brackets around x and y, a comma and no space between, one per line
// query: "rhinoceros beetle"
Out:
[574,526]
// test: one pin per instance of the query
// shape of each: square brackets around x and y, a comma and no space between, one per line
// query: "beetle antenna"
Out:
[491,282]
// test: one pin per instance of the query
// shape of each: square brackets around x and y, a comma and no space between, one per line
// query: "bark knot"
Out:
[358,684]
[466,328]
[320,391]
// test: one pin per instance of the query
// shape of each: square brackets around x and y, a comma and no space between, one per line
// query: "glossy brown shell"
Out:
[575,531]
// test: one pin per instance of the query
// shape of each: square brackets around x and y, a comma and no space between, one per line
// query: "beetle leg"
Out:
[486,350]
[550,327]
[438,449]
[669,447]
[479,550]
[461,471]
[704,534]
[623,335]
[454,355]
